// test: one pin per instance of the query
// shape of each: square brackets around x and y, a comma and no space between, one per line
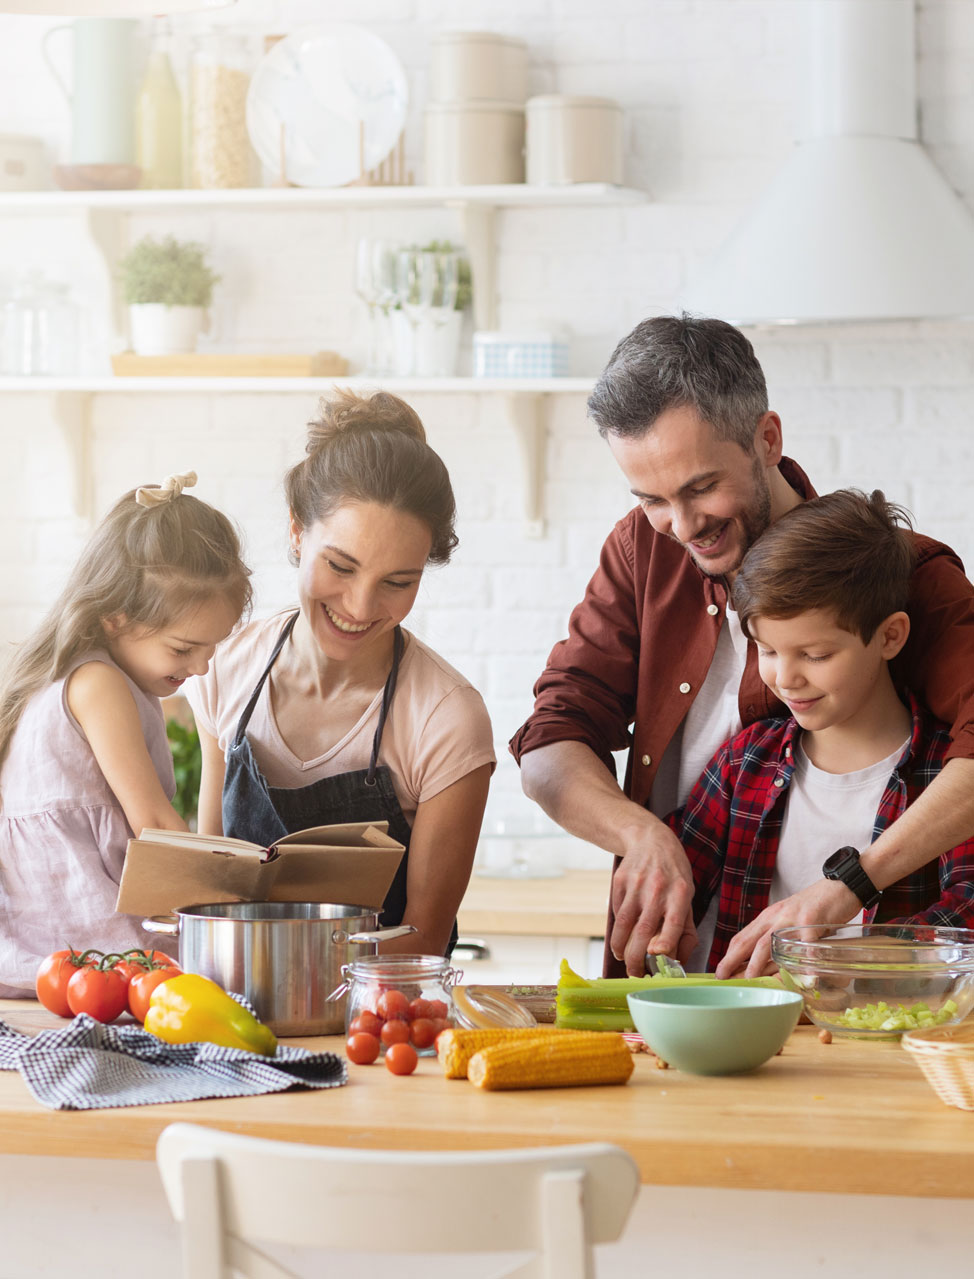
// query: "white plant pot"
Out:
[157,329]
[428,350]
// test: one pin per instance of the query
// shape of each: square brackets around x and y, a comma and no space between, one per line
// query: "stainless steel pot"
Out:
[285,957]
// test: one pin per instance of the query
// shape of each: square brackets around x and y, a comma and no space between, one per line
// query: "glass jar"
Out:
[159,117]
[40,329]
[415,991]
[219,144]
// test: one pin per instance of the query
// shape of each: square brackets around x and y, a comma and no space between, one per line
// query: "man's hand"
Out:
[652,898]
[824,902]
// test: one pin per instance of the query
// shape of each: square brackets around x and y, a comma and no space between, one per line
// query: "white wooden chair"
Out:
[228,1191]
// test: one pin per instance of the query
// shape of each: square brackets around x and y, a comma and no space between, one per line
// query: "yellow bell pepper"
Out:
[190,1009]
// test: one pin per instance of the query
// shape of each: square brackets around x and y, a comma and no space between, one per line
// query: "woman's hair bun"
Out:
[344,411]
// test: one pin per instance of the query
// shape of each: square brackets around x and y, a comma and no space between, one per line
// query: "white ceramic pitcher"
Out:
[102,89]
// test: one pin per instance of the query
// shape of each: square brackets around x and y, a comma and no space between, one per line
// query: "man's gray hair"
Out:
[670,361]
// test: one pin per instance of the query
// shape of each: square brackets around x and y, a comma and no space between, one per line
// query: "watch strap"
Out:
[850,872]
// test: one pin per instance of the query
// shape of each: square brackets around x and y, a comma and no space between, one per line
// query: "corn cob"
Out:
[454,1048]
[553,1062]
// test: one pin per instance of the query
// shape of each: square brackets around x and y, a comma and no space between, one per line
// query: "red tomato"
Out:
[141,987]
[99,992]
[437,1008]
[366,1023]
[394,1032]
[54,974]
[393,1003]
[401,1059]
[422,1032]
[419,1008]
[439,1024]
[362,1049]
[159,957]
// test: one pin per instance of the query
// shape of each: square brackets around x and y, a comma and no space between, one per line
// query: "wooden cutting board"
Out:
[229,364]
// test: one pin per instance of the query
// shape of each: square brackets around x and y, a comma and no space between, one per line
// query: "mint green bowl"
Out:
[715,1030]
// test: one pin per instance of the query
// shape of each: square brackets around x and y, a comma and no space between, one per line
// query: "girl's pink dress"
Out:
[63,836]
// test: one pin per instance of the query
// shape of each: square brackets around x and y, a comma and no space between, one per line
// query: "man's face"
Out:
[707,494]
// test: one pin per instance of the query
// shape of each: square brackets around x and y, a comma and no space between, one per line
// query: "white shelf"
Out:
[505,195]
[277,385]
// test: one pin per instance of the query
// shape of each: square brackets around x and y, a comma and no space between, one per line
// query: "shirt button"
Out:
[713,610]
[779,782]
[684,688]
[647,760]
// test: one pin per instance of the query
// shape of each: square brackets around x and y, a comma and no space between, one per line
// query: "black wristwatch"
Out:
[845,866]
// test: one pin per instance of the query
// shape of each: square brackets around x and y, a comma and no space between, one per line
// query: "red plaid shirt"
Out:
[731,824]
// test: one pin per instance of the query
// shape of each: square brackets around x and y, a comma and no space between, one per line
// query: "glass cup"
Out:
[376,284]
[427,291]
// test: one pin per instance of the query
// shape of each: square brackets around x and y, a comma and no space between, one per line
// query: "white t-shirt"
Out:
[826,811]
[713,718]
[436,732]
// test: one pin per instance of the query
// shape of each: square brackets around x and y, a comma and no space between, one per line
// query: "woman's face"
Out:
[358,575]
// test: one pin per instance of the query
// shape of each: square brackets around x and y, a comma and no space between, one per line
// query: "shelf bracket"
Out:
[105,232]
[478,228]
[527,416]
[72,413]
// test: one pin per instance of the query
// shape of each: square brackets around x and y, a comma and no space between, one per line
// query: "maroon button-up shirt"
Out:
[643,632]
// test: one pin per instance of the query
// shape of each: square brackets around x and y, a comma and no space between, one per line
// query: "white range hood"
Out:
[859,224]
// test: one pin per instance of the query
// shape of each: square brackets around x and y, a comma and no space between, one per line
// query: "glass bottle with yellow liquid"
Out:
[159,118]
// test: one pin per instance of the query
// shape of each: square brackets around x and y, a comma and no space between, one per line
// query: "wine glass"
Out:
[427,290]
[375,284]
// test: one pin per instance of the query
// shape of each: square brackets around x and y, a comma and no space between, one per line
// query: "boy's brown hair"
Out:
[844,552]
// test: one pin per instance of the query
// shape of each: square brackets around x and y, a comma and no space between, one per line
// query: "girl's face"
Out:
[358,575]
[159,661]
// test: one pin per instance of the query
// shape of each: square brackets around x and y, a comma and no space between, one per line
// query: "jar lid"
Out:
[477,37]
[398,967]
[473,106]
[564,101]
[480,1007]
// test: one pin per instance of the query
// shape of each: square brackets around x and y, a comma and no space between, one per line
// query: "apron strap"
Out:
[249,708]
[387,695]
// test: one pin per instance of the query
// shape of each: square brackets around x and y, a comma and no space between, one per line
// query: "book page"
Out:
[206,843]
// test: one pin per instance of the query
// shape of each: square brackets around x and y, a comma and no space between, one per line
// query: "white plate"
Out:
[321,85]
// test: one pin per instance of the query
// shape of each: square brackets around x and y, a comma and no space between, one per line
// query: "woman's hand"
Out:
[441,852]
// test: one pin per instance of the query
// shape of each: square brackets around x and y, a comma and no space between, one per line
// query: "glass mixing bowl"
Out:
[878,980]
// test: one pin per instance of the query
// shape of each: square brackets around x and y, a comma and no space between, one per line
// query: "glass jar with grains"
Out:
[219,145]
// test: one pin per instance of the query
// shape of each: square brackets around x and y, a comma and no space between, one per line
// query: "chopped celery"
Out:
[888,1019]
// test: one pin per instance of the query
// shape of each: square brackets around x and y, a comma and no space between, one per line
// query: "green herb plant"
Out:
[187,761]
[167,271]
[464,278]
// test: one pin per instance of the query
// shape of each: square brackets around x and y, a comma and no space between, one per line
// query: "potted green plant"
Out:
[168,285]
[431,348]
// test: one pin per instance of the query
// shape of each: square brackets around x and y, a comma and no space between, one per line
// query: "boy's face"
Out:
[825,675]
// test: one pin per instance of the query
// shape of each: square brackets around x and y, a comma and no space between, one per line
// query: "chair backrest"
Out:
[229,1192]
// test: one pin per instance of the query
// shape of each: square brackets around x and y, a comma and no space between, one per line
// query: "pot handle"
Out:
[161,924]
[383,934]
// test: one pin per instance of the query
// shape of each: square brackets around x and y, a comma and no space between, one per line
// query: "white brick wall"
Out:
[708,87]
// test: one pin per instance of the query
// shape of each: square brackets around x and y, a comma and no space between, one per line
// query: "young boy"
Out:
[823,595]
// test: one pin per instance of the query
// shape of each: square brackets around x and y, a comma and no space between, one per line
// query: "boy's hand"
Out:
[825,902]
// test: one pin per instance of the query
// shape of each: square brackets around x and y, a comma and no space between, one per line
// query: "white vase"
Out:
[157,329]
[428,350]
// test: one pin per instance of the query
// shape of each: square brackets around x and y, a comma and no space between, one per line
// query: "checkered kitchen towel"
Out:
[85,1065]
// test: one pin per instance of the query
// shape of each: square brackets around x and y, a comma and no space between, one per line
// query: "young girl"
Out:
[84,758]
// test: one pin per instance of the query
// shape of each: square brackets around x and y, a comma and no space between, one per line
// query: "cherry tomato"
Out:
[439,1024]
[362,1049]
[141,987]
[422,1032]
[419,1008]
[393,1003]
[394,1032]
[401,1059]
[54,974]
[437,1008]
[366,1023]
[99,992]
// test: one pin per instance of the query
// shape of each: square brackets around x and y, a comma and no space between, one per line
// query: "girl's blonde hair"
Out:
[373,449]
[152,563]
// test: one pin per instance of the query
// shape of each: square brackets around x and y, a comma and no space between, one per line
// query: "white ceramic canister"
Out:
[572,139]
[23,163]
[475,65]
[473,143]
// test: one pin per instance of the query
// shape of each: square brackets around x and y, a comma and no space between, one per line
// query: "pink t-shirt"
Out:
[437,730]
[63,836]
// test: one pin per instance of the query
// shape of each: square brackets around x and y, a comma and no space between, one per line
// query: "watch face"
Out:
[838,862]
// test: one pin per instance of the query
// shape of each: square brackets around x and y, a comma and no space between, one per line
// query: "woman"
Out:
[334,713]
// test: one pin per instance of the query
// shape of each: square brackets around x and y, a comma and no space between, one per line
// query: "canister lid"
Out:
[563,101]
[473,106]
[477,37]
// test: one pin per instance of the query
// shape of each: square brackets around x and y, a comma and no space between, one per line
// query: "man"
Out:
[654,648]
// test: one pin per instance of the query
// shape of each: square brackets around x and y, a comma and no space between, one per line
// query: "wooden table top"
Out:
[850,1116]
